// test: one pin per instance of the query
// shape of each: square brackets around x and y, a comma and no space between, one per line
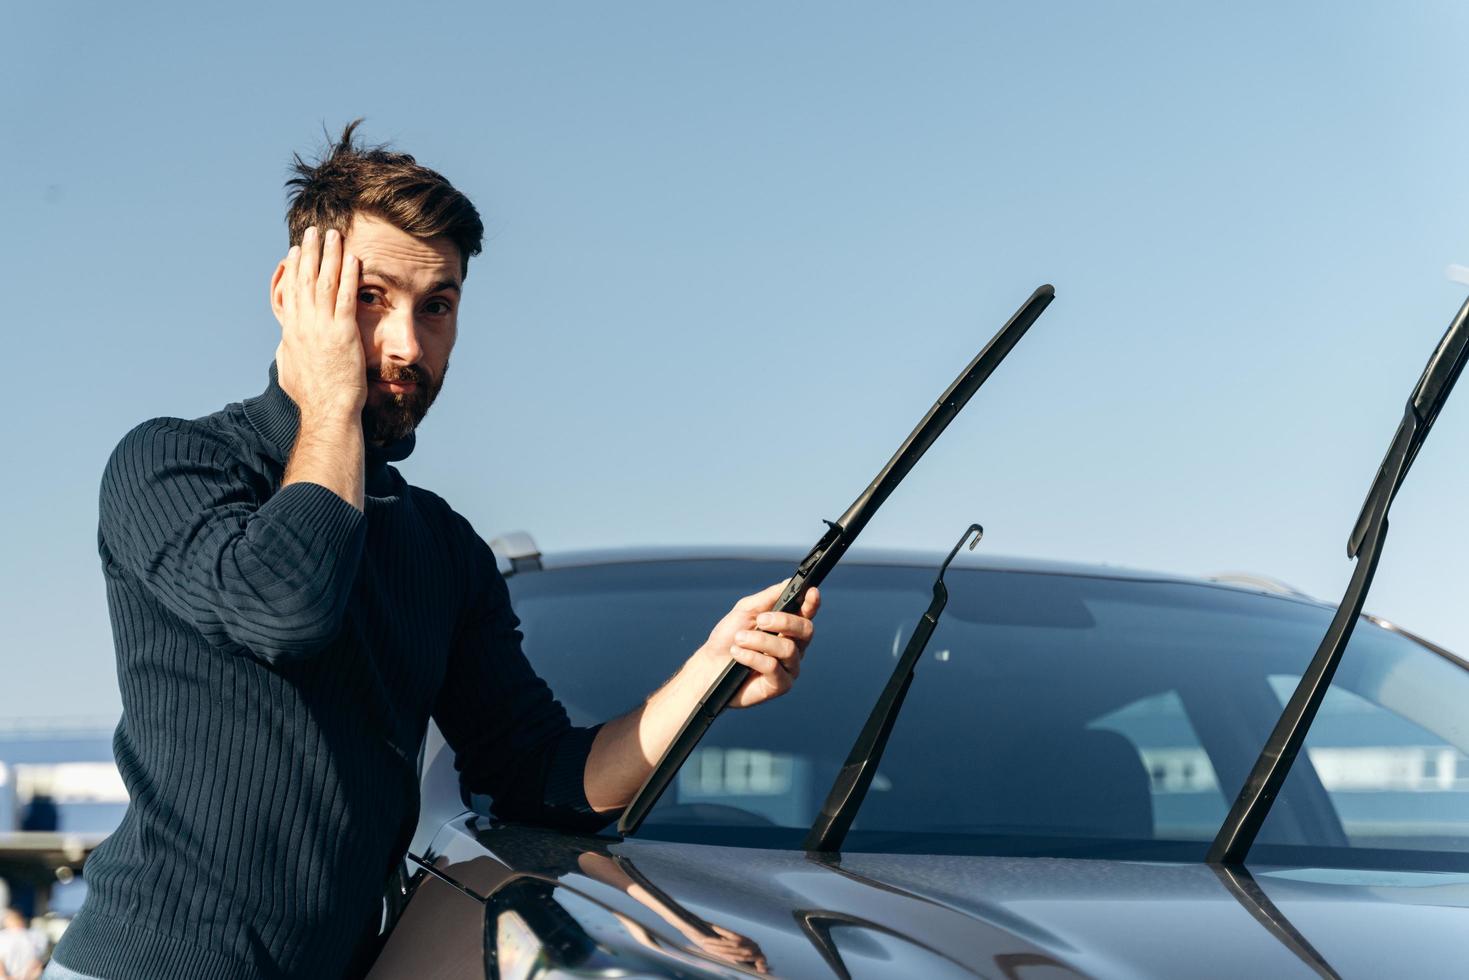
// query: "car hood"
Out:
[937,916]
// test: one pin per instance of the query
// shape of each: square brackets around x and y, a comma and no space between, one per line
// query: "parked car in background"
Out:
[1071,742]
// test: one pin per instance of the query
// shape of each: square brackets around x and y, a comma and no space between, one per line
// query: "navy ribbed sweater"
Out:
[279,655]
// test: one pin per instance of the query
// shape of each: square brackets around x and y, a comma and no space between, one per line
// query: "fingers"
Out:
[771,653]
[321,277]
[769,675]
[321,360]
[765,599]
[317,270]
[331,270]
[347,291]
[782,648]
[308,262]
[288,280]
[762,600]
[771,644]
[811,603]
[786,624]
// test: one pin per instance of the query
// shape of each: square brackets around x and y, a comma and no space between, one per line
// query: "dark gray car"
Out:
[1069,748]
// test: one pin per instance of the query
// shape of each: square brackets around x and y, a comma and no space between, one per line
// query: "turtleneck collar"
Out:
[276,417]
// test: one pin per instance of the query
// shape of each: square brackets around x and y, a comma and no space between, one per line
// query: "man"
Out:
[18,959]
[288,613]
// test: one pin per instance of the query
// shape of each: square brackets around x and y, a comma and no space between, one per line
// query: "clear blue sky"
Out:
[735,251]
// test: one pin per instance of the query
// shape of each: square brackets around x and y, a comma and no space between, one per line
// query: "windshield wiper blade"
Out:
[1251,807]
[1427,400]
[834,543]
[850,788]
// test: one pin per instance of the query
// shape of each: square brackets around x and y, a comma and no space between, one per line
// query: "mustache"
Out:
[414,373]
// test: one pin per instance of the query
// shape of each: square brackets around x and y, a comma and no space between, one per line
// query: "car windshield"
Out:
[1085,716]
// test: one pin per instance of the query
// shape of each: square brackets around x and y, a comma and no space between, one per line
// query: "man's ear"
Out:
[277,293]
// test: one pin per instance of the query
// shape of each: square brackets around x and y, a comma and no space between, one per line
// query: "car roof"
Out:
[1234,582]
[581,558]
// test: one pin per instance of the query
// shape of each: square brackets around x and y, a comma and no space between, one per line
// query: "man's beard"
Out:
[397,413]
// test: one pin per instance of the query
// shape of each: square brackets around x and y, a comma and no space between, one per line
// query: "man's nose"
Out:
[398,338]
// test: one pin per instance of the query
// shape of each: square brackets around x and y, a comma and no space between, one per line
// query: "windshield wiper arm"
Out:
[834,543]
[1248,893]
[1251,807]
[850,788]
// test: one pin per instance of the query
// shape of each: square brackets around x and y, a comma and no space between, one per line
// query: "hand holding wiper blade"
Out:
[834,544]
[851,785]
[1245,818]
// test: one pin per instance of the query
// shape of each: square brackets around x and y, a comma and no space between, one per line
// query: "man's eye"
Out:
[438,307]
[367,297]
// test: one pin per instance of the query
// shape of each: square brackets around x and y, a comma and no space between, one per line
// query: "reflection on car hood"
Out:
[935,916]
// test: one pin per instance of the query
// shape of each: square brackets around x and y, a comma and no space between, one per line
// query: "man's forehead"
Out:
[400,259]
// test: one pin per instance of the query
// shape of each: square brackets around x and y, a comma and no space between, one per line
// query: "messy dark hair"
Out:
[351,177]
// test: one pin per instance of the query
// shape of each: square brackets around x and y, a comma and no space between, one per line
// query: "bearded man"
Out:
[288,613]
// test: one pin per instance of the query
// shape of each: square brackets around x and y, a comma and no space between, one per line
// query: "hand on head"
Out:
[319,361]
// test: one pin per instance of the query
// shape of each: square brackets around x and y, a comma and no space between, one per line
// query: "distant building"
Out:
[60,794]
[59,775]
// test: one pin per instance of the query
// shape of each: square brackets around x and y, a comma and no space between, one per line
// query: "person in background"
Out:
[18,960]
[40,939]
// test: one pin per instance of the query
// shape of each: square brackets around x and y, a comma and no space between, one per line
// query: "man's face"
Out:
[408,317]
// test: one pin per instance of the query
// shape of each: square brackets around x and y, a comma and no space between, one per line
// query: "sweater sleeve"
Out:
[179,512]
[511,738]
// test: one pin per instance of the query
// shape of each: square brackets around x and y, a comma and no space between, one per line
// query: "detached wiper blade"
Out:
[834,544]
[850,788]
[1251,807]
